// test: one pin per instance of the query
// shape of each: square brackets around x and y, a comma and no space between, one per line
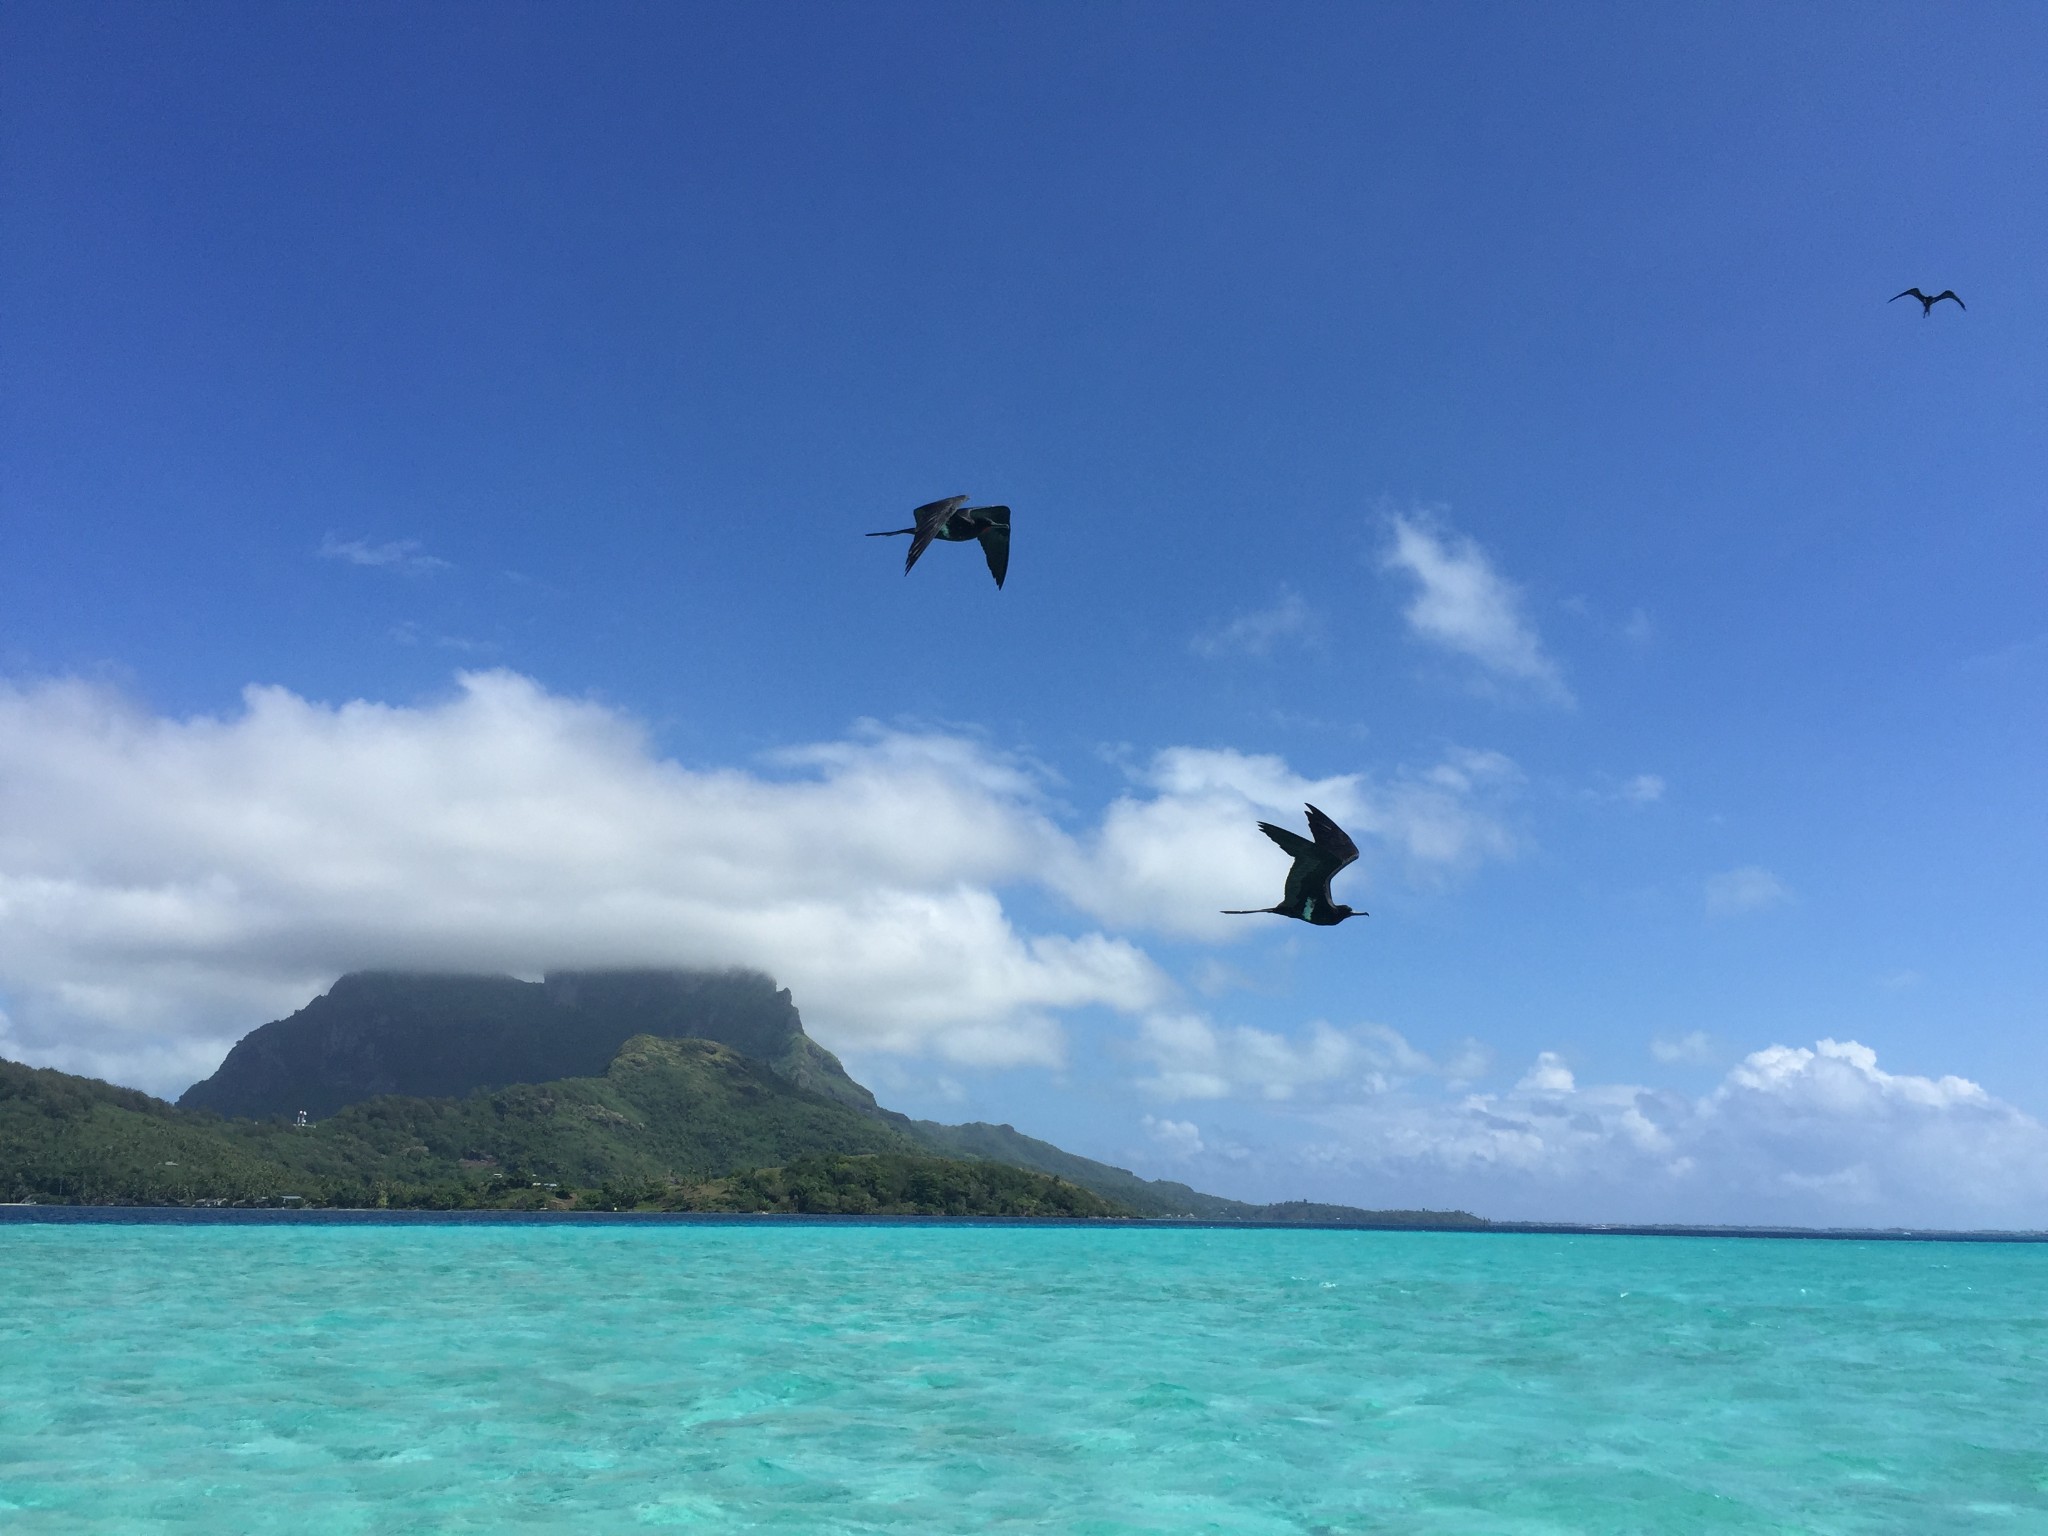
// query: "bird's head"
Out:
[1339,913]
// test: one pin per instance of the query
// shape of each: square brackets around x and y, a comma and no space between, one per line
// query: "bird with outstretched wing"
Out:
[953,521]
[1317,859]
[1927,304]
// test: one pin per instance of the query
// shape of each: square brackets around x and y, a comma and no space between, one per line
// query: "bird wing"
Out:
[931,517]
[995,541]
[1948,293]
[1912,292]
[1309,874]
[1294,843]
[1331,839]
[936,512]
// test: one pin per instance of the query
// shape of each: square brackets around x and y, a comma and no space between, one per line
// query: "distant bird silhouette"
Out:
[1308,882]
[956,522]
[1927,304]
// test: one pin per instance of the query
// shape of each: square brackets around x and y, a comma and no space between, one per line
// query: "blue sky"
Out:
[1486,420]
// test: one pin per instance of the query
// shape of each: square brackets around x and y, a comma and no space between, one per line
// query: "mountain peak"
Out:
[447,1035]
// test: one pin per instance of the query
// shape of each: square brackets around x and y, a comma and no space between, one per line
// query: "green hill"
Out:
[676,1089]
[1148,1197]
[78,1140]
[672,1124]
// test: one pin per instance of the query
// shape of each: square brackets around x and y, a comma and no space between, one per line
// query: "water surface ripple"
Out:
[889,1378]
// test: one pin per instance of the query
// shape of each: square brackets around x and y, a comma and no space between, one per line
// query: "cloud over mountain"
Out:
[166,884]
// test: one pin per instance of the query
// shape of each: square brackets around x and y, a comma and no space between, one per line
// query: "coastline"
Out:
[32,1214]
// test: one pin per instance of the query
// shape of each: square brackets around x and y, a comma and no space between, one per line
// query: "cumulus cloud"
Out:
[1548,1077]
[1464,605]
[1257,631]
[1185,844]
[1751,888]
[398,555]
[167,884]
[1807,1136]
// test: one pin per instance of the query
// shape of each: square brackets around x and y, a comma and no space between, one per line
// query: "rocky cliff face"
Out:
[439,1036]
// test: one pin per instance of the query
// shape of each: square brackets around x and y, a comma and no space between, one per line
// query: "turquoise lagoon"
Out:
[882,1377]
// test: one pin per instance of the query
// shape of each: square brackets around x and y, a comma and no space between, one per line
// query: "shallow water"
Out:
[857,1378]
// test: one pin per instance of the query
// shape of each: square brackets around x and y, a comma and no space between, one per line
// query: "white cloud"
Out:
[167,884]
[1696,1048]
[397,555]
[1193,1058]
[1807,1136]
[1257,631]
[1549,1077]
[1942,1146]
[1178,1139]
[1466,606]
[1752,888]
[1172,859]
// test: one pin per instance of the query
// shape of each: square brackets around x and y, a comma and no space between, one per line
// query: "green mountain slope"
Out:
[681,1111]
[1148,1197]
[1156,1197]
[654,1086]
[76,1139]
[674,1124]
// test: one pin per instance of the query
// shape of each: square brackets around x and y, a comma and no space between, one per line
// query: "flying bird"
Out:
[956,522]
[1927,304]
[1315,863]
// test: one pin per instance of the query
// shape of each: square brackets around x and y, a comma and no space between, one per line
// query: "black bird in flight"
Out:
[956,522]
[1315,863]
[1927,304]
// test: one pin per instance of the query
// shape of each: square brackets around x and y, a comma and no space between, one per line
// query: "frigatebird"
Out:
[1308,881]
[956,522]
[1927,304]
